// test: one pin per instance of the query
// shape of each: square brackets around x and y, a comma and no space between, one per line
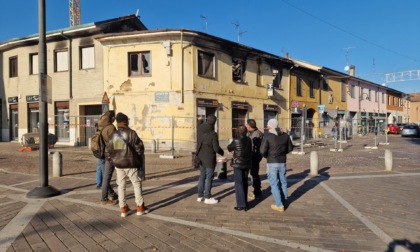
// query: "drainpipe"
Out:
[70,65]
[182,67]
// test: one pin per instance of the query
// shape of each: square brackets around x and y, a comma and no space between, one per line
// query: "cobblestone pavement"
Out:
[352,205]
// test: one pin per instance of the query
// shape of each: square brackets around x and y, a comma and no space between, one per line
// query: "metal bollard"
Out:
[153,146]
[57,164]
[388,160]
[221,167]
[314,163]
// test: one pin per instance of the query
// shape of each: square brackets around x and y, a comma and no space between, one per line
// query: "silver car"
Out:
[410,130]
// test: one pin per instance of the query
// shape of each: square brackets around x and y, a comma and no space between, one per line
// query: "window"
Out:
[376,96]
[206,64]
[238,70]
[361,93]
[87,57]
[139,64]
[13,67]
[389,100]
[383,98]
[61,61]
[324,84]
[62,129]
[370,95]
[33,60]
[299,86]
[343,91]
[311,89]
[277,76]
[352,91]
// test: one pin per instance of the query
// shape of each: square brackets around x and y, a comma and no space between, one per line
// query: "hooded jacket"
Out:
[209,145]
[275,147]
[105,123]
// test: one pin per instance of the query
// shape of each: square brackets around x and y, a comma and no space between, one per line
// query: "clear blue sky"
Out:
[377,36]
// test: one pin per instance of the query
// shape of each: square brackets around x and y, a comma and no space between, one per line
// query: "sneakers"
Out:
[108,202]
[142,210]
[251,195]
[211,201]
[124,211]
[277,208]
[199,199]
[113,197]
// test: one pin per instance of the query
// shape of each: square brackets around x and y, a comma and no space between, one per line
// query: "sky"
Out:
[376,36]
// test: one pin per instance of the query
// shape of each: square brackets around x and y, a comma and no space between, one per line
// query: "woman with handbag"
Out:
[241,164]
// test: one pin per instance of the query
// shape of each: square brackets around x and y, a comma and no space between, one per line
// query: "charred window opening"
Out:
[13,67]
[206,64]
[139,64]
[277,76]
[238,70]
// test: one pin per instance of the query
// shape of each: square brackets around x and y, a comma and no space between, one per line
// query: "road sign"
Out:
[296,104]
[105,99]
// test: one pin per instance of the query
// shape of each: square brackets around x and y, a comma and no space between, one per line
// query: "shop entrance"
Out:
[239,113]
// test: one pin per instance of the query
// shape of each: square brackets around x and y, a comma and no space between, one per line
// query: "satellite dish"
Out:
[384,84]
[346,68]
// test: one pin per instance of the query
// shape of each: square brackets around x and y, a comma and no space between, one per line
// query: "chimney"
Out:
[352,70]
[287,55]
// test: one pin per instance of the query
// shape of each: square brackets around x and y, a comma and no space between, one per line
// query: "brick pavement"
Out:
[353,205]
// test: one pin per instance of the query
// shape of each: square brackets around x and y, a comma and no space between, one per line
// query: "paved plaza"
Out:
[352,205]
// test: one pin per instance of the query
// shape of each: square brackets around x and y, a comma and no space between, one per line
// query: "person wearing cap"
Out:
[274,147]
[207,147]
[125,150]
[256,137]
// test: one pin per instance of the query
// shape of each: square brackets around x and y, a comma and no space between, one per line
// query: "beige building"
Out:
[165,79]
[75,65]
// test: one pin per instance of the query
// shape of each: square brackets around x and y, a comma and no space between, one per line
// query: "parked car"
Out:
[411,130]
[401,125]
[393,129]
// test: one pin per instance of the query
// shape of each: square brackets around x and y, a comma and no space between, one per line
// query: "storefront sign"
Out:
[207,103]
[13,99]
[240,105]
[32,98]
[271,107]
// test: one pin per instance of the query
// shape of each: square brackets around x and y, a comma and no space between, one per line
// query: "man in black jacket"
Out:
[126,151]
[274,147]
[207,147]
[256,138]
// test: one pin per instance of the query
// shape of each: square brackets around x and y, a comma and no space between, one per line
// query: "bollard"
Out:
[388,160]
[221,167]
[57,164]
[314,163]
[153,146]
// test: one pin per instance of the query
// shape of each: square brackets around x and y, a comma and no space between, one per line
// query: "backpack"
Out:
[97,145]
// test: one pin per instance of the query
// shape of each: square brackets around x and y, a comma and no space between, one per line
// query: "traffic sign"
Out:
[105,99]
[296,104]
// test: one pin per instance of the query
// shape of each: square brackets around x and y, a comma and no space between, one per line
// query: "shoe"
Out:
[241,208]
[251,195]
[199,199]
[113,197]
[99,187]
[108,202]
[277,208]
[124,211]
[211,201]
[142,210]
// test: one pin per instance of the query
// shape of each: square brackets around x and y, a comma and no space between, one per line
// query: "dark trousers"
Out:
[205,182]
[108,170]
[240,177]
[256,180]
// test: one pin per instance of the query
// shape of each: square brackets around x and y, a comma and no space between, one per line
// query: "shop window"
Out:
[206,64]
[61,61]
[33,60]
[13,67]
[238,70]
[62,129]
[87,57]
[139,64]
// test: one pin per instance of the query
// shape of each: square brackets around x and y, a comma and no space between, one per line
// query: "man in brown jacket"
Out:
[105,123]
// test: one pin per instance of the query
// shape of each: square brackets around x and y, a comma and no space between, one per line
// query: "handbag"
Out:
[196,161]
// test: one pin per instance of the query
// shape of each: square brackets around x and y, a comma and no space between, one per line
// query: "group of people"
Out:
[124,152]
[248,149]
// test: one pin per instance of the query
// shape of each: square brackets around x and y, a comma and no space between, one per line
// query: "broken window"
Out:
[206,64]
[277,75]
[139,64]
[238,70]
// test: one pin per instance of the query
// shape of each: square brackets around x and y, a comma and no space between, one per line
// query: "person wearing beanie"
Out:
[126,151]
[207,147]
[274,147]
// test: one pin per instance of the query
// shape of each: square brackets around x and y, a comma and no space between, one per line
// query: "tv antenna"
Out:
[205,20]
[347,49]
[237,24]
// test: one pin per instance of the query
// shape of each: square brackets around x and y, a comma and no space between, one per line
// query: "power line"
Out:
[350,33]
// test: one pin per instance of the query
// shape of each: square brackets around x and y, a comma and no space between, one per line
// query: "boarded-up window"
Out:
[139,64]
[13,67]
[206,64]
[61,61]
[34,63]
[87,57]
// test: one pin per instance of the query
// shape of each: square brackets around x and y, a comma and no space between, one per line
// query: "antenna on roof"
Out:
[237,24]
[137,13]
[347,67]
[205,18]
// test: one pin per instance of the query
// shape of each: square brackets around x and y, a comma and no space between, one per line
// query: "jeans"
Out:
[99,174]
[205,182]
[106,182]
[276,173]
[256,180]
[131,173]
[240,177]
